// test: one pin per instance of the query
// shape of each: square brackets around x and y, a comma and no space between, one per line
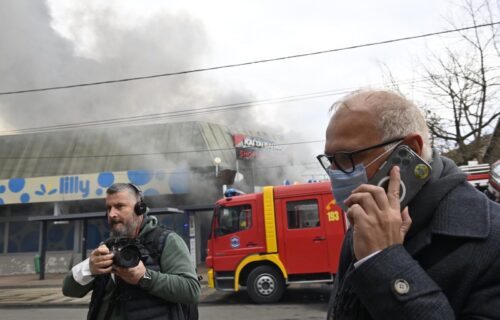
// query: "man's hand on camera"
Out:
[130,275]
[376,218]
[100,260]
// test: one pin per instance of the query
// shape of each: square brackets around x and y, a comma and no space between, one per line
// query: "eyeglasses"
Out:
[345,160]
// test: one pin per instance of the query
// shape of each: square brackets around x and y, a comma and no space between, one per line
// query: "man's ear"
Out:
[415,142]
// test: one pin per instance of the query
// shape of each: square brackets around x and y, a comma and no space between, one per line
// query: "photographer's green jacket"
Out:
[177,282]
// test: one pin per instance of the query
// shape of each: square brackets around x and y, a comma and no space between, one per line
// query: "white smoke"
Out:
[88,42]
[61,43]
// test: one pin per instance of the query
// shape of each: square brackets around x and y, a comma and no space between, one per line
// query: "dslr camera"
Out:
[127,251]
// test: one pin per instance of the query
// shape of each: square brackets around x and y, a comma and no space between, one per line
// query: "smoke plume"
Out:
[57,43]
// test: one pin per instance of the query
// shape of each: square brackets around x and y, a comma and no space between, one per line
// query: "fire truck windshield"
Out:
[232,219]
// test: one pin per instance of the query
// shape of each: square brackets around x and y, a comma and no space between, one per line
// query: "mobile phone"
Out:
[415,172]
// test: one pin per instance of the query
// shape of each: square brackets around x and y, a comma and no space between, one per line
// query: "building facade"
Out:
[184,166]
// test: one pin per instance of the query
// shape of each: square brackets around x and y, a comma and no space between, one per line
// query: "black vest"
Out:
[133,302]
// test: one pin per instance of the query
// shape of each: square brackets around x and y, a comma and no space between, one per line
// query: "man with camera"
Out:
[436,258]
[143,271]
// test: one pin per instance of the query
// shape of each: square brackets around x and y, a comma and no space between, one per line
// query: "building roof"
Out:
[151,146]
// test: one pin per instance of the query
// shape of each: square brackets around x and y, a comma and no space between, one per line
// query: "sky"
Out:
[65,42]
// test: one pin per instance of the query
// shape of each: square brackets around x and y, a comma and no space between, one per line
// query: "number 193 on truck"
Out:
[267,240]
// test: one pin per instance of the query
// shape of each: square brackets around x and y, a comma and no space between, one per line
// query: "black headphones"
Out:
[140,207]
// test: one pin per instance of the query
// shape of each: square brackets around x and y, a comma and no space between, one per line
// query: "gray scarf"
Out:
[445,176]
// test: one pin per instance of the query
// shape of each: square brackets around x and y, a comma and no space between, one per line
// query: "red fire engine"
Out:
[477,174]
[282,235]
[484,177]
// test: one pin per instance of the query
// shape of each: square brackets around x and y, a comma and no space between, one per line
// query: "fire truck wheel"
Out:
[265,285]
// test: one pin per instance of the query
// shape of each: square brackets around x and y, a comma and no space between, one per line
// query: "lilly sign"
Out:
[90,186]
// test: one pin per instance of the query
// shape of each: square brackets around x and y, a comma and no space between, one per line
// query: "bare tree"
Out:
[461,83]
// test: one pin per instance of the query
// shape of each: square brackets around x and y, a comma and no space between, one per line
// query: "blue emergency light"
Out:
[231,192]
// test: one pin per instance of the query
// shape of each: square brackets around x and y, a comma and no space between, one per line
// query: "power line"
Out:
[370,44]
[197,111]
[179,113]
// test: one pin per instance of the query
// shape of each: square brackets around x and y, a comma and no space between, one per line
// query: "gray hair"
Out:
[396,116]
[120,187]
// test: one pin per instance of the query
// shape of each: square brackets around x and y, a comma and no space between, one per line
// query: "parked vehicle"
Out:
[494,182]
[477,174]
[267,240]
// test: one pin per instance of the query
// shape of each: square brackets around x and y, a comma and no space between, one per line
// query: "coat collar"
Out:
[465,212]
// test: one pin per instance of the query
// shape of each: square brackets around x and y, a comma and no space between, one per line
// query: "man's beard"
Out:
[125,230]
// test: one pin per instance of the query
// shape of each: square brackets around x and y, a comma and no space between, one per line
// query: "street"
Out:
[299,302]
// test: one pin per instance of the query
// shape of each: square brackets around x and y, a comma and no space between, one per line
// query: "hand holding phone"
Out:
[414,171]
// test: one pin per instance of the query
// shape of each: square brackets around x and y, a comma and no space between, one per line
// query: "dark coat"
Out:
[448,268]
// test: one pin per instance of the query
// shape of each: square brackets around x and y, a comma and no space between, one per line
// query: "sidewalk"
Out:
[19,291]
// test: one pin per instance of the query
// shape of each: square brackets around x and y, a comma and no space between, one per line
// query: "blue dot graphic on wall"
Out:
[2,189]
[179,180]
[25,198]
[105,180]
[139,177]
[16,185]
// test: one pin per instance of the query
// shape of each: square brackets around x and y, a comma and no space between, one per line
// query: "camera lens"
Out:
[128,256]
[403,153]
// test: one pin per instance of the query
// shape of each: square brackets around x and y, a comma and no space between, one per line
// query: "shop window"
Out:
[97,232]
[23,236]
[234,219]
[175,222]
[302,214]
[60,236]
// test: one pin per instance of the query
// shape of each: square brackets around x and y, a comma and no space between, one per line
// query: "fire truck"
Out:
[283,235]
[477,174]
[484,177]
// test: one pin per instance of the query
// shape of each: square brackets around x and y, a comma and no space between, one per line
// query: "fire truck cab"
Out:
[265,241]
